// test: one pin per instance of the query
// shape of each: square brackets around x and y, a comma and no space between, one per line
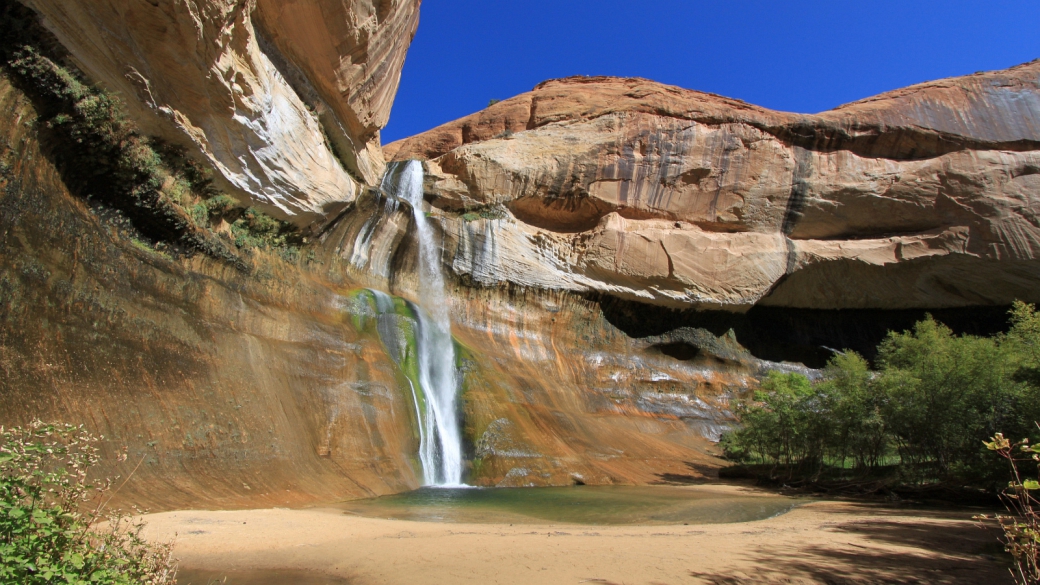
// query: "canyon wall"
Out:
[925,197]
[228,389]
[266,385]
[624,258]
[224,388]
[284,99]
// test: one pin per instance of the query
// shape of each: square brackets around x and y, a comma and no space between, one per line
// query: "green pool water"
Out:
[595,505]
[188,576]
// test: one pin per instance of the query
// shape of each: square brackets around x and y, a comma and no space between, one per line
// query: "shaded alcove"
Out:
[807,336]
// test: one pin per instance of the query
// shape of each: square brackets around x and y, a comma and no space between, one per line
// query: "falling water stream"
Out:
[440,442]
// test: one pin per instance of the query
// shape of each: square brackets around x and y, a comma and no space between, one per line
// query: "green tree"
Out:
[947,393]
[928,406]
[855,402]
[779,425]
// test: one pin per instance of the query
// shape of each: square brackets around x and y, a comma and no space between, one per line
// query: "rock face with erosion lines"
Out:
[284,99]
[925,197]
[573,286]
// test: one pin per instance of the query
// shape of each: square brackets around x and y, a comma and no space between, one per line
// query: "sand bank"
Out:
[822,542]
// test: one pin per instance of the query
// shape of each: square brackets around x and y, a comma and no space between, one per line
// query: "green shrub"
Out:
[856,405]
[776,426]
[926,409]
[946,394]
[53,525]
[220,205]
[485,212]
[1020,531]
[255,229]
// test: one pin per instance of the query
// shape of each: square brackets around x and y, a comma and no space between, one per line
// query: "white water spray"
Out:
[440,448]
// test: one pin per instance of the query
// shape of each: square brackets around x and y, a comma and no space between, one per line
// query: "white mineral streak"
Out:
[274,151]
[362,252]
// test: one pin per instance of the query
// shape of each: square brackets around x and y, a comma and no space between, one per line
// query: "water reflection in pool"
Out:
[597,505]
[189,576]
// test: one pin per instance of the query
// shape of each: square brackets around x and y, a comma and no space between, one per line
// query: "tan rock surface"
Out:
[922,197]
[234,390]
[351,53]
[200,75]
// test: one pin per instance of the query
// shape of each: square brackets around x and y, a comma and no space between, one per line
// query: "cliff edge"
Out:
[284,99]
[924,197]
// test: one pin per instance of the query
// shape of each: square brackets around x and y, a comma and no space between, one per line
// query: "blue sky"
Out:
[800,56]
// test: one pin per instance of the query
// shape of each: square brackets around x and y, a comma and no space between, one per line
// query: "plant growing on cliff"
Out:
[168,197]
[53,523]
[103,155]
[497,211]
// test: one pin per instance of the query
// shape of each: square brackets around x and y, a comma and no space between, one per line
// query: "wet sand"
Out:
[822,542]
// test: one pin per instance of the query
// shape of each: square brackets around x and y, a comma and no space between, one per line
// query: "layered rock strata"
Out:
[283,99]
[267,388]
[585,224]
[925,197]
[223,388]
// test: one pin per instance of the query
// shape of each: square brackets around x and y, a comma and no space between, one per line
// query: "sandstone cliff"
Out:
[283,99]
[587,224]
[269,386]
[925,197]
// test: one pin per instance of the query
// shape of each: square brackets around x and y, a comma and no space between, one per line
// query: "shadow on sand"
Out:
[946,553]
[702,474]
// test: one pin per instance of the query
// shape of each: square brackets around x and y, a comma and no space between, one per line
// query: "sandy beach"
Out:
[821,542]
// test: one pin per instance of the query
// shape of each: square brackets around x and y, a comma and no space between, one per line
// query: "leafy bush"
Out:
[255,229]
[53,524]
[945,394]
[779,424]
[926,409]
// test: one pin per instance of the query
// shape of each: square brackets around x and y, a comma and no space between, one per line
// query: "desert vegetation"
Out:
[485,212]
[1020,529]
[55,526]
[924,420]
[917,418]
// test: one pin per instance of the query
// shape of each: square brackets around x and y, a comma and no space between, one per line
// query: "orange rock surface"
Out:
[263,91]
[921,197]
[584,227]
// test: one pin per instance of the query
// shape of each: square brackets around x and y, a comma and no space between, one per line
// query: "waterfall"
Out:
[440,449]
